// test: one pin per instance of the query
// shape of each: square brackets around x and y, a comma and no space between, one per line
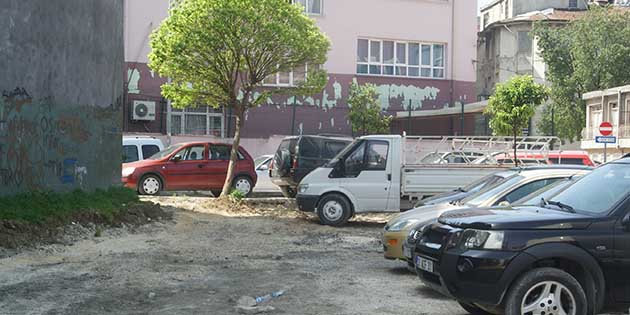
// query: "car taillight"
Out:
[295,164]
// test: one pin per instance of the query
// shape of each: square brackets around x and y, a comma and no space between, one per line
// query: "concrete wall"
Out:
[61,94]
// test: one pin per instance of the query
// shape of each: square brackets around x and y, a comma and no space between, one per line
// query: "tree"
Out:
[591,53]
[365,112]
[513,104]
[219,52]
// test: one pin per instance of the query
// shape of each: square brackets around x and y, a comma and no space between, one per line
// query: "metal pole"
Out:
[605,153]
[462,122]
[293,117]
[409,120]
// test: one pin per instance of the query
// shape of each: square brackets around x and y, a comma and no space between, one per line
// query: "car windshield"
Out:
[166,152]
[347,149]
[483,183]
[485,194]
[545,193]
[598,192]
[432,158]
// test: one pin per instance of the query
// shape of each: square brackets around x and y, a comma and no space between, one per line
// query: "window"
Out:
[308,148]
[332,148]
[222,153]
[291,78]
[486,19]
[376,156]
[354,162]
[199,121]
[568,161]
[527,189]
[524,42]
[148,150]
[403,59]
[573,4]
[311,6]
[130,153]
[192,153]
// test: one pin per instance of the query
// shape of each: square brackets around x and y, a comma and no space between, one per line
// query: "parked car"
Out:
[264,183]
[515,185]
[372,175]
[461,193]
[298,156]
[532,199]
[569,255]
[533,158]
[137,148]
[570,157]
[190,166]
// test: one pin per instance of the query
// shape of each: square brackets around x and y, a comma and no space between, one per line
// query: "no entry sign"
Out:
[605,129]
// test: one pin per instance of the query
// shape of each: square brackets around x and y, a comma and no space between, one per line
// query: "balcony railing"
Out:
[622,131]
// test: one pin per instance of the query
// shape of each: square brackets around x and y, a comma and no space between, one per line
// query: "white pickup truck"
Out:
[377,173]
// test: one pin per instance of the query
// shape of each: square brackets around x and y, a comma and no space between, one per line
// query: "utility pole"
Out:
[293,116]
[409,120]
[462,119]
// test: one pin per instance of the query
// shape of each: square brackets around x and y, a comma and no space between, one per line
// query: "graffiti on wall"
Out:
[44,146]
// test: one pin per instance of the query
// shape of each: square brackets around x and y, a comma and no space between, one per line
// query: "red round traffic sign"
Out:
[606,129]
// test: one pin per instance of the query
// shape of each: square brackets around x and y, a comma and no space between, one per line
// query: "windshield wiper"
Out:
[562,206]
[459,189]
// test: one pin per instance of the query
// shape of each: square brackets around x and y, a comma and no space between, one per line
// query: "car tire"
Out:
[334,210]
[538,289]
[288,192]
[244,184]
[150,185]
[474,310]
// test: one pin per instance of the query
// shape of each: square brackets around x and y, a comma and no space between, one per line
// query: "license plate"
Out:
[424,264]
[407,251]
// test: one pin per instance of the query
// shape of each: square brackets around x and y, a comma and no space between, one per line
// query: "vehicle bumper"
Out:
[307,203]
[130,183]
[393,244]
[470,276]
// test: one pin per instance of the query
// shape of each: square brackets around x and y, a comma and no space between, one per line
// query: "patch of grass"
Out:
[39,206]
[237,195]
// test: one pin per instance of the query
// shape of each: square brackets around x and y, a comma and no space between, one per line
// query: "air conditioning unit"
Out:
[143,110]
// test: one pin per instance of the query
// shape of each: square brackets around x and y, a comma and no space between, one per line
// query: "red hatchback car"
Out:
[190,166]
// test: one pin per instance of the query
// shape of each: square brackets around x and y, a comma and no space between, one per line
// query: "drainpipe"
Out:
[452,53]
[619,113]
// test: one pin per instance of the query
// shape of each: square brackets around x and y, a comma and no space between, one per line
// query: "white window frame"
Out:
[291,81]
[405,64]
[208,114]
[321,7]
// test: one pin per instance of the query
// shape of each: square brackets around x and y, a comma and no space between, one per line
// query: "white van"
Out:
[136,148]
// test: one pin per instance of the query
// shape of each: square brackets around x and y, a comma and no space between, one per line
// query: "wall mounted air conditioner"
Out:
[143,110]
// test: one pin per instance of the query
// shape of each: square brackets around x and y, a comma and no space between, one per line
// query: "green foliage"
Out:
[39,206]
[219,52]
[513,104]
[237,195]
[365,112]
[591,53]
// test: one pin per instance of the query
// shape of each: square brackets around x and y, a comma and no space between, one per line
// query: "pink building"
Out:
[419,53]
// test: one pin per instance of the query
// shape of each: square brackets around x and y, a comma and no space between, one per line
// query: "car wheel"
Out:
[150,185]
[334,210]
[288,192]
[548,291]
[472,309]
[243,184]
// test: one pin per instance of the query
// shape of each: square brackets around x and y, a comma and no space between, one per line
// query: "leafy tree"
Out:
[591,53]
[513,105]
[365,112]
[219,52]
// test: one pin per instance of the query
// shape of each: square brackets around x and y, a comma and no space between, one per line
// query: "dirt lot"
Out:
[205,259]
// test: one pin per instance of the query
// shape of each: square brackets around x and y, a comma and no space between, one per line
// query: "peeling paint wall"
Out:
[60,94]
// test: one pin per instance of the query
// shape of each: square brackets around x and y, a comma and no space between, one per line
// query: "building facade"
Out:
[61,94]
[612,105]
[420,57]
[505,46]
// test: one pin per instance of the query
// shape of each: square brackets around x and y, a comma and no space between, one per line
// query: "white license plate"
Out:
[424,264]
[407,251]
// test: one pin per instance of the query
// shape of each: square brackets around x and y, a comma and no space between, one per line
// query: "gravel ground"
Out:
[206,259]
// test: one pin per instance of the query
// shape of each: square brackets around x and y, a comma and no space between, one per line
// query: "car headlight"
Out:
[479,239]
[302,188]
[401,225]
[127,171]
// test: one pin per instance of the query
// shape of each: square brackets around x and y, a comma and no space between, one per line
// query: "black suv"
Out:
[298,156]
[569,255]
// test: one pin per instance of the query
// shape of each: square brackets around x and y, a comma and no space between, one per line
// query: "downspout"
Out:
[452,53]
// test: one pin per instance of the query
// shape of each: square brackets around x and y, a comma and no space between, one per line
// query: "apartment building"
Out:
[420,54]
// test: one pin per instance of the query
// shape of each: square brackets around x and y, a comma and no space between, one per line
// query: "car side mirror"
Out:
[263,168]
[504,204]
[176,158]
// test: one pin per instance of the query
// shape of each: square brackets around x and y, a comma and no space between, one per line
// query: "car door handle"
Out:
[389,177]
[200,165]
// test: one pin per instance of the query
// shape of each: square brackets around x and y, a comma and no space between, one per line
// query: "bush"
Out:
[237,195]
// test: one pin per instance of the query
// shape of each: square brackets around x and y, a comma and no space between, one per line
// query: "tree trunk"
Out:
[514,144]
[227,186]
